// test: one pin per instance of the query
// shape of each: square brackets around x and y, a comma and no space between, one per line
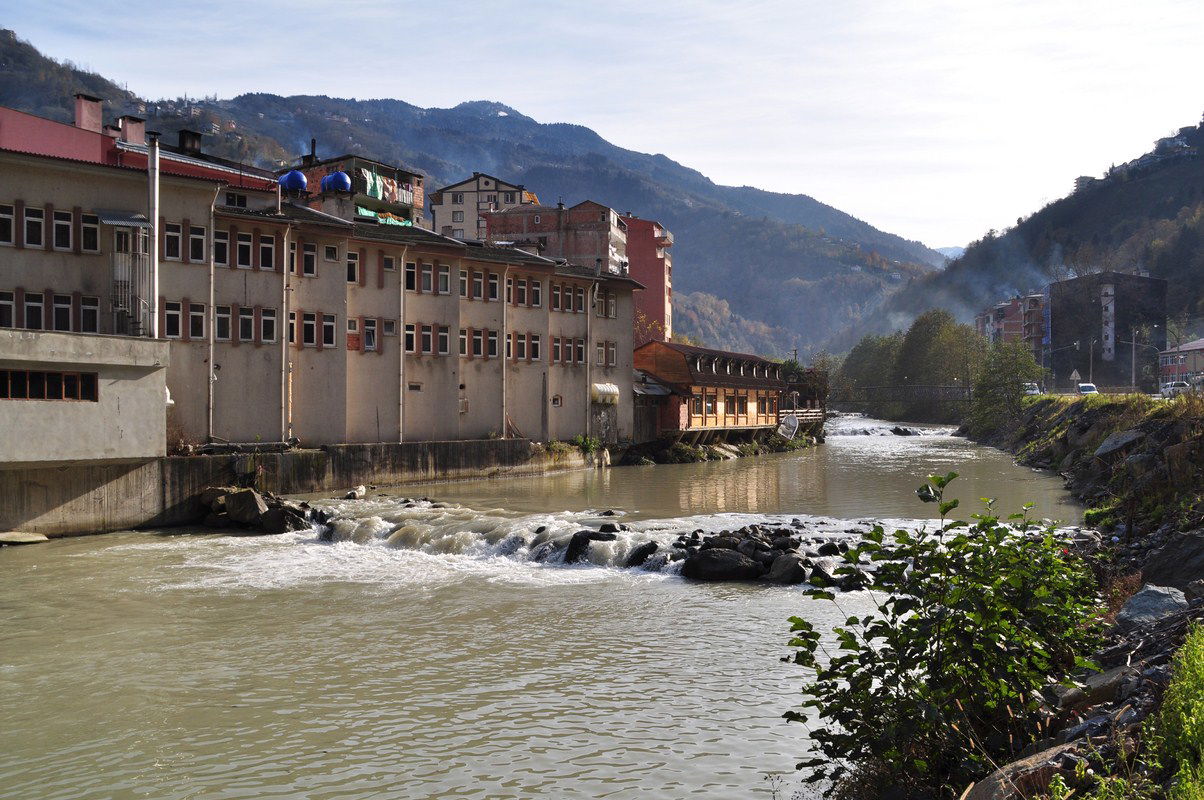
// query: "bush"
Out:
[586,444]
[971,621]
[1179,726]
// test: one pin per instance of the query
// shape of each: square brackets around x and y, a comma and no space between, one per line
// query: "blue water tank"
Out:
[340,182]
[293,181]
[325,185]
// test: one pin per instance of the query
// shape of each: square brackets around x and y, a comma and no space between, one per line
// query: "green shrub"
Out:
[942,679]
[1179,727]
[586,444]
[559,448]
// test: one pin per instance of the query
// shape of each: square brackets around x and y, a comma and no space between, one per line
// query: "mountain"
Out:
[1147,214]
[756,269]
[951,252]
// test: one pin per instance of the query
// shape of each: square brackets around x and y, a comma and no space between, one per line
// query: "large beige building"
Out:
[300,317]
[458,210]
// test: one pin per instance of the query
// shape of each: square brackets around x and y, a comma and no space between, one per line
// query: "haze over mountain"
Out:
[753,270]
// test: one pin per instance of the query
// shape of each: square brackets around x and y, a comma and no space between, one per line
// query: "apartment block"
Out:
[589,234]
[650,263]
[458,210]
[284,314]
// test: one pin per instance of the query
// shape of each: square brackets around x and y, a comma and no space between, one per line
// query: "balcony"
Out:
[664,239]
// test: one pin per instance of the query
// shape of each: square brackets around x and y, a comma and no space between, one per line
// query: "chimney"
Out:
[133,129]
[312,158]
[112,131]
[87,112]
[190,142]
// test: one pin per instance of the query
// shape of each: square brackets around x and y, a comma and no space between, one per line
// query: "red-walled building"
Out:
[588,235]
[650,263]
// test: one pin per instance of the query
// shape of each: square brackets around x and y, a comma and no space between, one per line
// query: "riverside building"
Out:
[273,312]
[458,210]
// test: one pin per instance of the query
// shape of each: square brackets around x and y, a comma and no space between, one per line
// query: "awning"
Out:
[123,219]
[604,393]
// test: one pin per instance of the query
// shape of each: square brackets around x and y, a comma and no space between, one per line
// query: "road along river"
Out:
[426,654]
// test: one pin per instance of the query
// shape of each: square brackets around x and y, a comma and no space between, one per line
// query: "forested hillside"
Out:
[1147,215]
[784,266]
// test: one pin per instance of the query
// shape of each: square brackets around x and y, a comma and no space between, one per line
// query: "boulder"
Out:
[217,520]
[608,527]
[1028,777]
[358,493]
[640,554]
[823,572]
[788,568]
[1150,605]
[245,506]
[1117,442]
[1194,590]
[720,564]
[22,537]
[829,549]
[1179,562]
[721,543]
[510,545]
[579,544]
[282,520]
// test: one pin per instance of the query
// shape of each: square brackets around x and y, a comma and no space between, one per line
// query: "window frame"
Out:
[267,251]
[353,266]
[494,287]
[246,315]
[329,329]
[173,312]
[247,241]
[309,260]
[267,325]
[89,314]
[370,341]
[60,303]
[62,222]
[330,252]
[309,328]
[443,279]
[221,242]
[8,226]
[197,242]
[443,340]
[28,218]
[173,238]
[196,311]
[220,314]
[411,338]
[491,344]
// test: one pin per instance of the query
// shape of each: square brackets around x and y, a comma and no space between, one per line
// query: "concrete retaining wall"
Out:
[95,498]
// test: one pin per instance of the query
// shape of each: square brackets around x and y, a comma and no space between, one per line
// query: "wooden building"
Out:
[715,395]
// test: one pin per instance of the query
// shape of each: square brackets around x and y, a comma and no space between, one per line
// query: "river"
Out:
[426,655]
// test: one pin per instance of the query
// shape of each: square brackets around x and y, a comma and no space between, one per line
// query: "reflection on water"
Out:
[205,667]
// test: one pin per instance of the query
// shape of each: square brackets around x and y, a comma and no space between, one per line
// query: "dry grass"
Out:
[1116,590]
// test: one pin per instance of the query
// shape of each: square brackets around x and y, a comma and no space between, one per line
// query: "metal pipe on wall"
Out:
[212,321]
[401,345]
[152,178]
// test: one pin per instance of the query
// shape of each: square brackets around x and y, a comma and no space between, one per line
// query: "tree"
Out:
[999,390]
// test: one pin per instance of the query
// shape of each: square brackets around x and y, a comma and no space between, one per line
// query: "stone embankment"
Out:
[1138,463]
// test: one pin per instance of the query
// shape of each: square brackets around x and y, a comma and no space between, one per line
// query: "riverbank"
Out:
[1135,462]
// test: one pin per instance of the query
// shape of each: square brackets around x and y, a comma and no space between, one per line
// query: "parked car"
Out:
[1088,388]
[1175,387]
[1032,388]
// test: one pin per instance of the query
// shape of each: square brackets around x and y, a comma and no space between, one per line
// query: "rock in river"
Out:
[579,544]
[787,568]
[640,554]
[720,564]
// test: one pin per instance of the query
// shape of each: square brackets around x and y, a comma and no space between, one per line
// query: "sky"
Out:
[934,120]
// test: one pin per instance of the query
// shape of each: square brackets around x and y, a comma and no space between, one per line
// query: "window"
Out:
[89,314]
[243,253]
[221,247]
[61,314]
[6,225]
[509,350]
[444,279]
[520,292]
[409,343]
[520,347]
[464,283]
[463,342]
[696,405]
[267,252]
[612,352]
[62,230]
[478,285]
[292,327]
[196,321]
[309,260]
[457,216]
[555,297]
[557,401]
[328,321]
[458,233]
[508,197]
[414,387]
[411,275]
[246,324]
[580,351]
[235,200]
[171,241]
[536,349]
[710,405]
[35,231]
[309,329]
[510,290]
[292,258]
[491,343]
[428,345]
[353,267]
[536,293]
[19,384]
[267,325]
[221,321]
[353,325]
[600,355]
[196,243]
[172,322]
[90,233]
[536,219]
[555,349]
[370,334]
[330,252]
[390,263]
[493,286]
[478,344]
[444,340]
[457,198]
[390,326]
[580,300]
[428,277]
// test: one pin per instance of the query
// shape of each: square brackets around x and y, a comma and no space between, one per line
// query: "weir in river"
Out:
[428,652]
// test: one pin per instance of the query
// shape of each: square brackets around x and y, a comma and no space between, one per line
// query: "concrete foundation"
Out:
[96,498]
